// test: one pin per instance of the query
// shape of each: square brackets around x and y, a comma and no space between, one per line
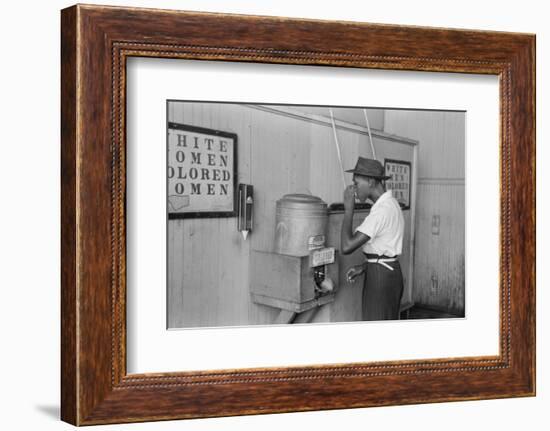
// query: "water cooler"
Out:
[301,273]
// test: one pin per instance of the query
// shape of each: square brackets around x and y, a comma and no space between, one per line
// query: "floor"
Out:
[419,312]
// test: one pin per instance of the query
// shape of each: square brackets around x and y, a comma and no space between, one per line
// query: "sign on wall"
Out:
[201,172]
[400,181]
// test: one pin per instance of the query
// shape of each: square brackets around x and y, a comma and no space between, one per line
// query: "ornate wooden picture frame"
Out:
[96,41]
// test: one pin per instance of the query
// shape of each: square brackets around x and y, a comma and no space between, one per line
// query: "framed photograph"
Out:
[400,180]
[240,208]
[201,171]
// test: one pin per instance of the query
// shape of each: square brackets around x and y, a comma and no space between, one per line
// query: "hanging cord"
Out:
[337,144]
[370,136]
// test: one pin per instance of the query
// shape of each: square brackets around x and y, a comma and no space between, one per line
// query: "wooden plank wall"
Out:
[205,254]
[279,154]
[280,165]
[439,258]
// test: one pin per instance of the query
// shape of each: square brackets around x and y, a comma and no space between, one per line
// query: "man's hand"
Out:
[349,198]
[350,240]
[354,272]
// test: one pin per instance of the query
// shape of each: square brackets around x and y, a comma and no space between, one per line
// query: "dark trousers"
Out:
[382,291]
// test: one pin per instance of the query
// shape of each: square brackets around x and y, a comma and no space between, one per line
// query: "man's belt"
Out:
[382,260]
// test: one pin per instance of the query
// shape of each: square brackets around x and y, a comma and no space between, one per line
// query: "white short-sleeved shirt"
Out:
[385,226]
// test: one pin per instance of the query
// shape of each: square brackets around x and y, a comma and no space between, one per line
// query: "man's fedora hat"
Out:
[369,168]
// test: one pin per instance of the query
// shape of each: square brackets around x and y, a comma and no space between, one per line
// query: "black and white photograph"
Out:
[298,214]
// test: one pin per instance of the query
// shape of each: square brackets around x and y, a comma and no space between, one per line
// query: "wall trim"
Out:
[341,125]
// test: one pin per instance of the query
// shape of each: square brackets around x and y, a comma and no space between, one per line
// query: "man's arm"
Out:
[349,241]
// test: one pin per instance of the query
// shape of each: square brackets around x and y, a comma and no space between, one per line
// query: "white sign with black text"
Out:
[400,181]
[201,171]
